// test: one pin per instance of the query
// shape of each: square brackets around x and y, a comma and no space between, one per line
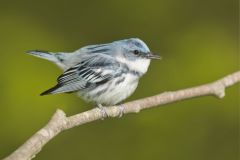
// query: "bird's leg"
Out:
[103,111]
[121,110]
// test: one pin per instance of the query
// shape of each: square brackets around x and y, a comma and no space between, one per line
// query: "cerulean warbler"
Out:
[104,73]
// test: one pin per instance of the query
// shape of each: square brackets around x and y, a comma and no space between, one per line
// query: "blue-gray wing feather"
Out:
[91,71]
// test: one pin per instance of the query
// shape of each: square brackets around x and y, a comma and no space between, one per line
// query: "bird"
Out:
[105,74]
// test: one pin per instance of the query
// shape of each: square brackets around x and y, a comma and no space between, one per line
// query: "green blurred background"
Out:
[198,41]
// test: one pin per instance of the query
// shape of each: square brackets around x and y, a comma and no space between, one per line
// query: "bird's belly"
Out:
[113,91]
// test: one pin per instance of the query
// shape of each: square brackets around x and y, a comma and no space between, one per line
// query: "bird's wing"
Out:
[90,72]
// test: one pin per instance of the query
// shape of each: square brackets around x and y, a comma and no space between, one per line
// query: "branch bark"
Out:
[59,122]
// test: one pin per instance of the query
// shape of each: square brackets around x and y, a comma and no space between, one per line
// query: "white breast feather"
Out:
[113,93]
[117,93]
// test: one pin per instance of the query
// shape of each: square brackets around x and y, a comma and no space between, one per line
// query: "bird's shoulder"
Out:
[91,70]
[95,49]
[97,61]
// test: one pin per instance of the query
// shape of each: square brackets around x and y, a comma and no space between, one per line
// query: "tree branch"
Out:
[59,122]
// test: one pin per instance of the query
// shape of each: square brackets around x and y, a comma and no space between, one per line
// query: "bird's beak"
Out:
[153,56]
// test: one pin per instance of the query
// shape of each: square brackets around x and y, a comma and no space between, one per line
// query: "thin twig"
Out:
[59,122]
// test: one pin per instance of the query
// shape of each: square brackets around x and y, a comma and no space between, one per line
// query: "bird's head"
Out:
[134,49]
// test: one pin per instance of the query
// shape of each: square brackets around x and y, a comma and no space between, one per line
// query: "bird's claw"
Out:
[121,110]
[103,111]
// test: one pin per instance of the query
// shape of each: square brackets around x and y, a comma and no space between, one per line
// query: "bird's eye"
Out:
[136,52]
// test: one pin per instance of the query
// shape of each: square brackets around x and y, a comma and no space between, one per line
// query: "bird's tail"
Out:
[44,54]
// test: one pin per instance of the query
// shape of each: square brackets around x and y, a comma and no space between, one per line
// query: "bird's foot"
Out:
[121,110]
[103,111]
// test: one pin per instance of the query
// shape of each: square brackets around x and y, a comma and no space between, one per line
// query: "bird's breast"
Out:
[113,91]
